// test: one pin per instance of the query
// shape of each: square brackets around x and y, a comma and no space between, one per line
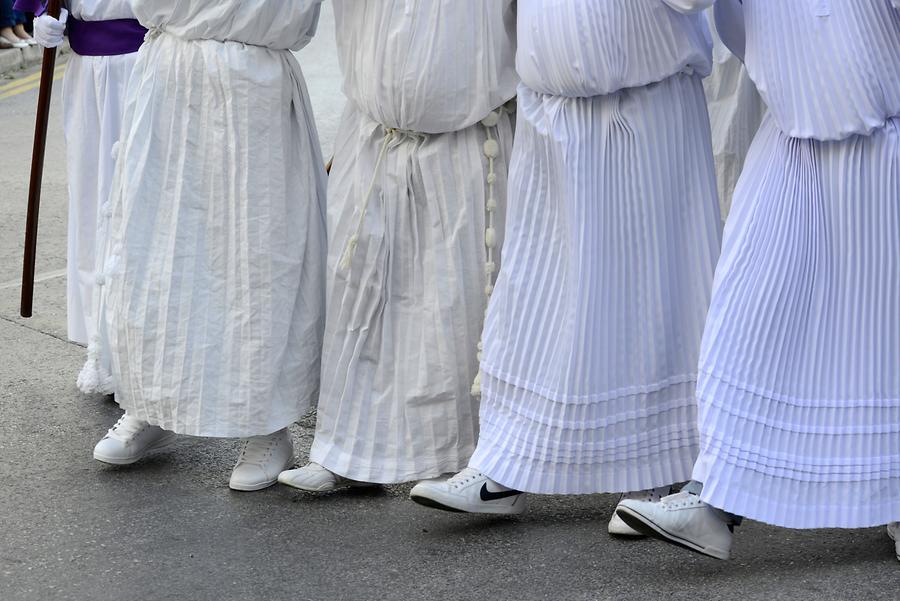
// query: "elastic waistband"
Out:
[105,38]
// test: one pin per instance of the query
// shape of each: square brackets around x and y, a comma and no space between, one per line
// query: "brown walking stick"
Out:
[37,170]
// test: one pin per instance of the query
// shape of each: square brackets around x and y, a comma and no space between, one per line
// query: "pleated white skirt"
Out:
[799,389]
[215,295]
[593,333]
[93,99]
[404,321]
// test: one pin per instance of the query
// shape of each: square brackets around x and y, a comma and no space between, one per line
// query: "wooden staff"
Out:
[37,170]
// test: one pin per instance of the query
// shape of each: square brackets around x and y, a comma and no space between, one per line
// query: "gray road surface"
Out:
[169,528]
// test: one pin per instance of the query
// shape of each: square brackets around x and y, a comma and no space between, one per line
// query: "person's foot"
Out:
[262,458]
[20,32]
[617,526]
[313,477]
[469,491]
[130,440]
[9,39]
[893,531]
[682,519]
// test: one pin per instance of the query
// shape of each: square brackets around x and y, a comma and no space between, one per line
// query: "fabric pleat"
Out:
[581,49]
[827,69]
[93,99]
[216,272]
[404,320]
[593,332]
[799,384]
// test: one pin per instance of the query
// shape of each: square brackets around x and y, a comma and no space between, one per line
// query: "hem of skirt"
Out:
[714,374]
[324,455]
[587,398]
[798,516]
[503,467]
[201,432]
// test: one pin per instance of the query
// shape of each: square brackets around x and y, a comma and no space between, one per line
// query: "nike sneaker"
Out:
[469,491]
[681,519]
[617,525]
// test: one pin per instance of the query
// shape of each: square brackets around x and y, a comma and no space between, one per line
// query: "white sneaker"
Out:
[893,531]
[682,519]
[129,440]
[312,477]
[469,491]
[261,460]
[617,525]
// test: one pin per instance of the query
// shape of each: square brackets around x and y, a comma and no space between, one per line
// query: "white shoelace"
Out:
[257,451]
[464,477]
[126,428]
[651,495]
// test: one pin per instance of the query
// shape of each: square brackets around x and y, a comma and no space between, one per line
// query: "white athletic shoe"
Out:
[130,440]
[682,519]
[469,491]
[893,531]
[312,477]
[617,526]
[262,459]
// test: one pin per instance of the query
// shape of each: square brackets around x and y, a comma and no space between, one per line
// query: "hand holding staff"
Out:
[37,170]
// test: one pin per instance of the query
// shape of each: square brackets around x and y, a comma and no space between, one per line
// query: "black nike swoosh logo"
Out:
[487,495]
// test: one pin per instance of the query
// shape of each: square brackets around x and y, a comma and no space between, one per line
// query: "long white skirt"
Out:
[93,99]
[800,367]
[216,274]
[404,321]
[593,333]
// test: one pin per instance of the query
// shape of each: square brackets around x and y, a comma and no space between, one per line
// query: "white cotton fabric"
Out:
[577,49]
[430,67]
[735,113]
[827,69]
[405,317]
[93,96]
[216,271]
[799,390]
[593,332]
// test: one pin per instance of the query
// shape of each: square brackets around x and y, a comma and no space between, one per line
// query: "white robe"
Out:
[735,112]
[215,288]
[592,336]
[93,95]
[799,388]
[405,316]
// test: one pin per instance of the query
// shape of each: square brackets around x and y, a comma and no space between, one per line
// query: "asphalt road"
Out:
[169,528]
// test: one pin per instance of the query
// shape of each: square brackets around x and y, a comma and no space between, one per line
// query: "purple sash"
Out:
[105,38]
[95,38]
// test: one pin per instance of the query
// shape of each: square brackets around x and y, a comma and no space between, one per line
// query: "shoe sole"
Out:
[163,443]
[251,487]
[643,525]
[491,510]
[340,485]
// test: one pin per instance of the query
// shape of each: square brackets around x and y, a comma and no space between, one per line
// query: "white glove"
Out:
[48,32]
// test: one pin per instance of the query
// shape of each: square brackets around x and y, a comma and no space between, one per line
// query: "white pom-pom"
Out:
[490,237]
[492,204]
[488,290]
[476,385]
[491,178]
[492,119]
[491,149]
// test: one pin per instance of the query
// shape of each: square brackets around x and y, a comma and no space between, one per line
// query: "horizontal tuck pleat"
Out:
[799,391]
[593,332]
